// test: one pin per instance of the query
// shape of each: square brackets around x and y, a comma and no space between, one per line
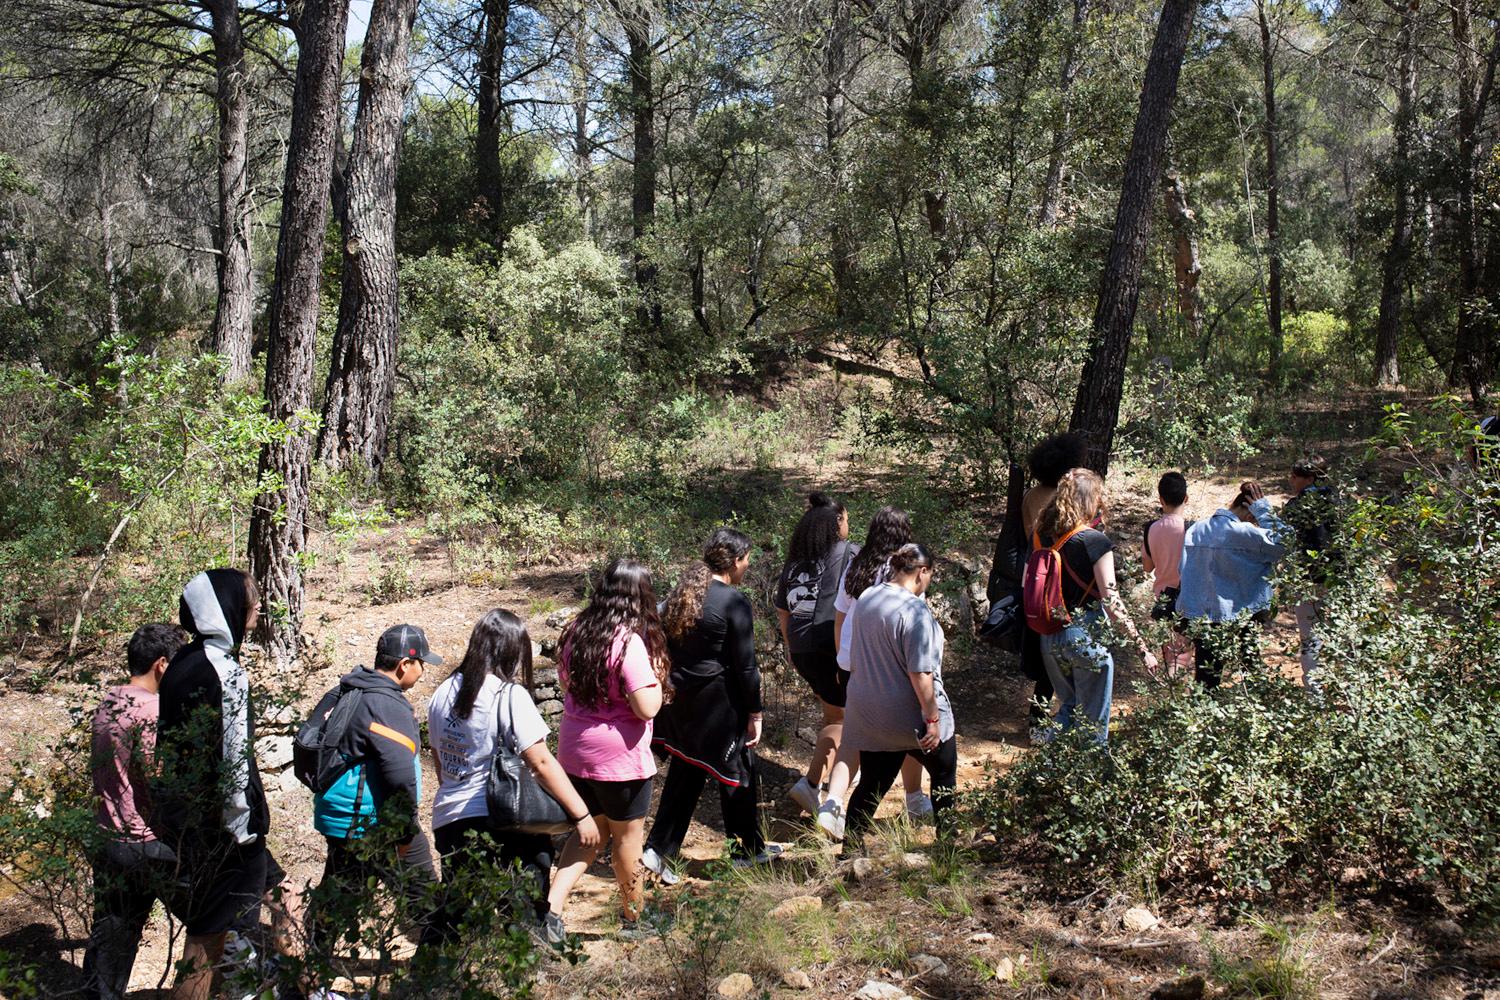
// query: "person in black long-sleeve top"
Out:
[714,720]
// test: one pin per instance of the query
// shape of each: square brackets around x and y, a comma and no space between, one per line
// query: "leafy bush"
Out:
[1188,418]
[1259,789]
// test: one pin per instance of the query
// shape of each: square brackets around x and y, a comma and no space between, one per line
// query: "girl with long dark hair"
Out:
[889,529]
[487,699]
[714,721]
[816,558]
[612,663]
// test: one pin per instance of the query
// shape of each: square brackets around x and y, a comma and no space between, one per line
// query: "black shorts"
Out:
[225,884]
[616,801]
[822,672]
[1164,608]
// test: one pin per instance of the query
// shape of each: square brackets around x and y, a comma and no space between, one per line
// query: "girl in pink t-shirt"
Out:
[612,666]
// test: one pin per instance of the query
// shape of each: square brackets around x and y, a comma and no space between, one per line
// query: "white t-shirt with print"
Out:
[466,747]
[845,605]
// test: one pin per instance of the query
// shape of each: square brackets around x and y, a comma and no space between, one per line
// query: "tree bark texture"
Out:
[278,524]
[491,124]
[1273,185]
[1072,61]
[837,77]
[639,67]
[1398,253]
[1468,366]
[1096,408]
[234,314]
[1186,266]
[362,376]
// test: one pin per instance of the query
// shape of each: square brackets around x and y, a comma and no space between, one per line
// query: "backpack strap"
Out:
[1056,550]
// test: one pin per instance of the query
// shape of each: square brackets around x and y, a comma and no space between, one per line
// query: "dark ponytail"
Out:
[890,529]
[724,548]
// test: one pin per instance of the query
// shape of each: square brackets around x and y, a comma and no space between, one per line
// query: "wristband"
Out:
[933,722]
[580,819]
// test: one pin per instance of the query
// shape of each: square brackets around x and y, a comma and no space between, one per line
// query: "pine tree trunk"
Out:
[233,330]
[1051,205]
[1393,267]
[362,376]
[491,122]
[1188,269]
[278,524]
[1096,408]
[1467,368]
[639,66]
[1273,188]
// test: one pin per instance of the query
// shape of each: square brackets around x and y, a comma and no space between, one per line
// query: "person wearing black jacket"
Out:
[714,720]
[208,804]
[383,784]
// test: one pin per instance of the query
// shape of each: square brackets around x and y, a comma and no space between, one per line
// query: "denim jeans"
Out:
[1082,672]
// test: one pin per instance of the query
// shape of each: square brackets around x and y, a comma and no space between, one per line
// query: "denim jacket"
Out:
[1226,563]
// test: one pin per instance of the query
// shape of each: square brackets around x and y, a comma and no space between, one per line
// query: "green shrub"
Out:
[1188,418]
[1259,789]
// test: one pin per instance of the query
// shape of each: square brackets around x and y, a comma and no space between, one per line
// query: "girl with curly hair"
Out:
[612,665]
[714,722]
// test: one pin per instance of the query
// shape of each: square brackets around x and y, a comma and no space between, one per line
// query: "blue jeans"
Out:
[1082,672]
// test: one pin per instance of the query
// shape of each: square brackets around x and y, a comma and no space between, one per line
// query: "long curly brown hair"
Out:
[724,548]
[1079,500]
[623,598]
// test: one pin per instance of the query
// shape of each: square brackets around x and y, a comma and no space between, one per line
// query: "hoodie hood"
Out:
[213,608]
[365,679]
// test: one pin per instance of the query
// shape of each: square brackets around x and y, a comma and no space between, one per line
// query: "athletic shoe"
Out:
[767,853]
[830,819]
[551,932]
[806,796]
[918,805]
[658,866]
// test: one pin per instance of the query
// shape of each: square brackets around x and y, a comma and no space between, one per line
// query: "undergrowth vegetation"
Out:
[1261,791]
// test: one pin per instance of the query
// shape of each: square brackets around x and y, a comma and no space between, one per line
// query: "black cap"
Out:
[404,642]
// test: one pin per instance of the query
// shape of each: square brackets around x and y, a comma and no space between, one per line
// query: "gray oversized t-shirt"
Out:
[894,635]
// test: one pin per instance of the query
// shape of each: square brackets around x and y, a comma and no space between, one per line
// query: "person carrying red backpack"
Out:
[1069,586]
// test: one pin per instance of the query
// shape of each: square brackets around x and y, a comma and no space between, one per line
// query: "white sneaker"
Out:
[918,805]
[805,795]
[767,852]
[658,866]
[830,819]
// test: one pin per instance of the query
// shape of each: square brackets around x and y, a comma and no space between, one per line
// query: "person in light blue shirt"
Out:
[1226,580]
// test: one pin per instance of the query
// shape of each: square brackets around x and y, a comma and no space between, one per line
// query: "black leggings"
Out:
[679,798]
[1216,645]
[462,855]
[877,773]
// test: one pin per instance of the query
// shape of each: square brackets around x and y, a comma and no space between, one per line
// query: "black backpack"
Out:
[316,759]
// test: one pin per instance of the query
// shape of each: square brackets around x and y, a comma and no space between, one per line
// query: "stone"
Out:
[789,909]
[1182,988]
[1138,920]
[796,979]
[850,906]
[929,965]
[983,937]
[1005,970]
[874,990]
[736,985]
[550,708]
[543,677]
[1447,933]
[914,862]
[549,648]
[561,617]
[861,870]
[273,753]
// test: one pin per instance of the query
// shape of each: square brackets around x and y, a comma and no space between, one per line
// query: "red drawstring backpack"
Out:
[1041,585]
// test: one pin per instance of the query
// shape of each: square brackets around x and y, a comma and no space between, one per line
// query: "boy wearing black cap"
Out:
[384,781]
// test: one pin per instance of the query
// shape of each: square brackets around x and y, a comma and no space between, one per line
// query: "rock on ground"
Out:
[929,965]
[873,990]
[914,862]
[736,985]
[790,908]
[1184,988]
[796,979]
[1138,920]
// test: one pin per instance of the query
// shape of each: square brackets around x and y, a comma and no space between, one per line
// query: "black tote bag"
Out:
[516,801]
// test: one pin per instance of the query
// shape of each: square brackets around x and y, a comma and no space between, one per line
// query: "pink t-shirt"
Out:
[1164,546]
[124,728]
[607,742]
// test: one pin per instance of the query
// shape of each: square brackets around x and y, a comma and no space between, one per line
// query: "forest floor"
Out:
[991,930]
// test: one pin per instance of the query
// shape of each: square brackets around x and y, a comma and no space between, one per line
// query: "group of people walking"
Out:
[184,816]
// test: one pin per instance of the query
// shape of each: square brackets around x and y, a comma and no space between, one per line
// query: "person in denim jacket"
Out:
[1226,579]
